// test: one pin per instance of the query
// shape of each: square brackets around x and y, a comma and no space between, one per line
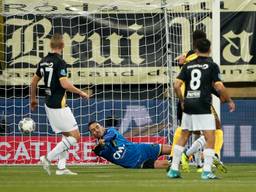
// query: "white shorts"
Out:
[200,122]
[61,120]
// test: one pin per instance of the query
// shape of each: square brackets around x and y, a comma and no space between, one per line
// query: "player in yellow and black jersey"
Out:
[53,69]
[183,59]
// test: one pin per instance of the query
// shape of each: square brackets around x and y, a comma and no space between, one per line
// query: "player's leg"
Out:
[178,130]
[179,147]
[62,170]
[208,154]
[150,153]
[177,153]
[166,149]
[196,146]
[161,164]
[176,137]
[206,123]
[61,166]
[218,143]
[67,141]
[68,128]
[218,134]
[217,147]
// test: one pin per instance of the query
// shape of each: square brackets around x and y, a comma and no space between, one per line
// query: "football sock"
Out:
[176,137]
[62,146]
[62,160]
[208,159]
[177,152]
[218,141]
[196,146]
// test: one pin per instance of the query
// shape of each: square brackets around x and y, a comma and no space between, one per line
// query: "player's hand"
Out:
[33,104]
[84,95]
[97,149]
[182,105]
[101,142]
[182,59]
[231,106]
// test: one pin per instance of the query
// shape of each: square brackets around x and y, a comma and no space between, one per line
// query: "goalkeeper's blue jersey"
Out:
[120,151]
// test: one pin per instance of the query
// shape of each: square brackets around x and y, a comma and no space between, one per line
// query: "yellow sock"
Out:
[218,141]
[176,137]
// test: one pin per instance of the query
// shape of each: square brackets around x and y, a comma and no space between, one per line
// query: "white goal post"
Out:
[123,53]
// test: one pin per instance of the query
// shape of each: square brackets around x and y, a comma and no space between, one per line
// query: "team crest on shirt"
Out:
[63,72]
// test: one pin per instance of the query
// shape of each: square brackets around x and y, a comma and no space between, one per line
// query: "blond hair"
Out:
[57,41]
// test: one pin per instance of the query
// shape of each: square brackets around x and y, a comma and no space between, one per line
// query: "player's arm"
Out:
[182,60]
[111,135]
[66,84]
[177,88]
[97,149]
[33,86]
[178,83]
[221,89]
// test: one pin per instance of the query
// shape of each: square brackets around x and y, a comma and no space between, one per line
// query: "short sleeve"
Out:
[62,69]
[38,73]
[216,73]
[182,74]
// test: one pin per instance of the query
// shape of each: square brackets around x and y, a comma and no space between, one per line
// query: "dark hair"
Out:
[198,34]
[57,41]
[91,122]
[203,45]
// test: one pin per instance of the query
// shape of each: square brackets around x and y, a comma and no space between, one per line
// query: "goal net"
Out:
[123,53]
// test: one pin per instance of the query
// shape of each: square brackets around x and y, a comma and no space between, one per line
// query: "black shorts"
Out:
[149,164]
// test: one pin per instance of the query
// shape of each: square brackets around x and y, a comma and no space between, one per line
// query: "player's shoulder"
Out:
[57,58]
[111,129]
[190,52]
[212,63]
[190,56]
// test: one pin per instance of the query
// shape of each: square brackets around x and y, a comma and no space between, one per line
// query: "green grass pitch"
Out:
[240,178]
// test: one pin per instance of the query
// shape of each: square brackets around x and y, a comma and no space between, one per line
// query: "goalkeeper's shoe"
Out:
[173,174]
[219,165]
[208,175]
[46,164]
[185,163]
[65,172]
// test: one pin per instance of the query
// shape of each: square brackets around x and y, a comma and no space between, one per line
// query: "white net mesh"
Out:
[118,52]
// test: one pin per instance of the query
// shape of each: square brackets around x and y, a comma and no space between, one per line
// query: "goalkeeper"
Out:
[191,55]
[113,147]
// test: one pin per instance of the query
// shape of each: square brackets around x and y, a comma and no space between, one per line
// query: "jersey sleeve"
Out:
[38,73]
[182,74]
[62,69]
[110,135]
[215,73]
[98,150]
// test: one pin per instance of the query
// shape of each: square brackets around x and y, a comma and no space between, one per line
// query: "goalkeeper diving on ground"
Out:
[113,147]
